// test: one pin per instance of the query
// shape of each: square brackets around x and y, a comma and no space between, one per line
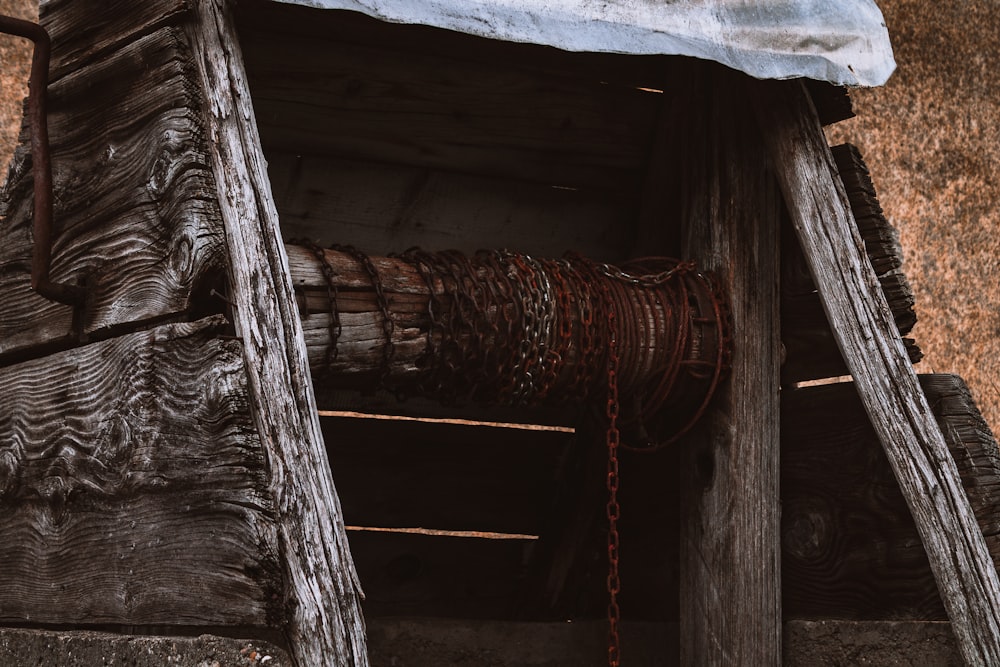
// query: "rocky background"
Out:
[931,138]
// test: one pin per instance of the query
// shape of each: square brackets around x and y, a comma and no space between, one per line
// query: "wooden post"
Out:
[886,382]
[730,589]
[322,589]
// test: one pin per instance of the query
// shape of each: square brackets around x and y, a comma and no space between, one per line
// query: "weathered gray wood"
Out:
[811,351]
[383,208]
[132,486]
[83,30]
[863,325]
[730,607]
[316,95]
[132,215]
[850,546]
[323,592]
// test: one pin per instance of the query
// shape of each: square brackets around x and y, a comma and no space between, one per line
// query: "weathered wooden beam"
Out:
[869,341]
[323,593]
[405,359]
[811,350]
[132,486]
[84,30]
[134,217]
[729,553]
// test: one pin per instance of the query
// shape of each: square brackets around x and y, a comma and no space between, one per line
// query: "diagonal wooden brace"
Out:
[886,382]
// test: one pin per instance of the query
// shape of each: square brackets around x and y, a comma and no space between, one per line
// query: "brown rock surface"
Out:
[931,137]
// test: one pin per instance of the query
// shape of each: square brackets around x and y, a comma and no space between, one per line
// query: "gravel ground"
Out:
[932,140]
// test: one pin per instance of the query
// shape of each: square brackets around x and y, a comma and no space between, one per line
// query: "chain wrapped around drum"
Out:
[502,327]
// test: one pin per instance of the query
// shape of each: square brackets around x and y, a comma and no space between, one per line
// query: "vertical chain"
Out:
[388,326]
[613,509]
[329,276]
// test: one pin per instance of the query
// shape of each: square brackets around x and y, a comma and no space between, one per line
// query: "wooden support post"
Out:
[730,590]
[323,592]
[870,343]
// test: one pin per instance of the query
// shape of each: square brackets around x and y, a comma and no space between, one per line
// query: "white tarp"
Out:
[840,41]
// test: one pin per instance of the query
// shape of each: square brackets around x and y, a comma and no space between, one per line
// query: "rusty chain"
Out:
[329,276]
[388,326]
[508,328]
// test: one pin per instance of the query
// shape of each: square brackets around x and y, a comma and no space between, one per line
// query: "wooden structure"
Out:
[166,458]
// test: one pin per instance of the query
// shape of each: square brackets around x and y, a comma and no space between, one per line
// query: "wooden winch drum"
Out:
[391,322]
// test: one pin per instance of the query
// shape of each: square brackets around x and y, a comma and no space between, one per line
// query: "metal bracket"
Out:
[41,164]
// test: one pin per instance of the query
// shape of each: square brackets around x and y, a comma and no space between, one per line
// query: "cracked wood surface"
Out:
[869,340]
[323,592]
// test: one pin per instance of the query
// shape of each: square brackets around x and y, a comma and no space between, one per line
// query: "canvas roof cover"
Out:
[844,42]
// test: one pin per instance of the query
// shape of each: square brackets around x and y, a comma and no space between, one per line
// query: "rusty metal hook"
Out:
[41,164]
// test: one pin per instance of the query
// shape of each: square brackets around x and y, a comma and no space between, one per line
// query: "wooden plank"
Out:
[851,549]
[382,402]
[810,346]
[145,501]
[394,474]
[323,594]
[84,30]
[133,215]
[382,208]
[730,608]
[318,96]
[833,103]
[866,332]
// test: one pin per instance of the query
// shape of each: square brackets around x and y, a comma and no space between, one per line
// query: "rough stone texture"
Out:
[438,642]
[90,649]
[884,643]
[470,643]
[931,138]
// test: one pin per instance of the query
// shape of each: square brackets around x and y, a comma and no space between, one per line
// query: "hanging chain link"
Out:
[613,507]
[335,327]
[388,326]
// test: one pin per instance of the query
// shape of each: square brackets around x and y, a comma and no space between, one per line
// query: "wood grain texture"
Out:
[810,347]
[374,101]
[382,208]
[323,594]
[730,606]
[133,486]
[83,30]
[133,215]
[850,546]
[867,335]
[361,341]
